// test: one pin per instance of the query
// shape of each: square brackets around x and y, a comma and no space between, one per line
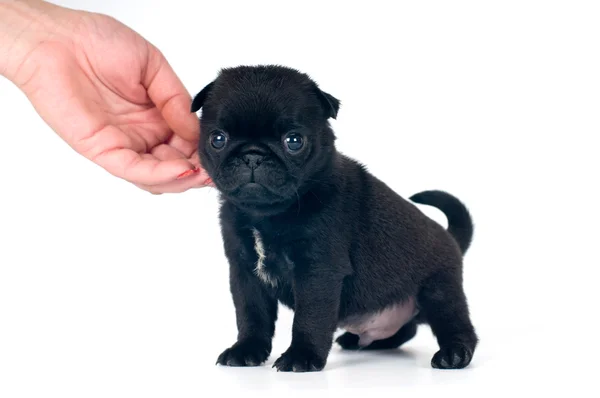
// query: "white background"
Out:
[106,290]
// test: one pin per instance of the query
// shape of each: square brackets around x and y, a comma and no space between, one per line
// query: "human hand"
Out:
[113,97]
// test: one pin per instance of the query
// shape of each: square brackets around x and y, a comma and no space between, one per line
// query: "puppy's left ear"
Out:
[199,99]
[331,105]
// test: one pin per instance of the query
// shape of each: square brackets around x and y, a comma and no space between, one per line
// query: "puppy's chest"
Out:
[274,265]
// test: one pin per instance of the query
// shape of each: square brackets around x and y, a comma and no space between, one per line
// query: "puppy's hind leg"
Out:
[444,304]
[349,341]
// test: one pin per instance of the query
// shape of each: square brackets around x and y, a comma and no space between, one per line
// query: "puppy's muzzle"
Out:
[253,160]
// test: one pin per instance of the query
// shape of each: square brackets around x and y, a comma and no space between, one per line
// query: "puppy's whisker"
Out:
[304,179]
[315,195]
[298,196]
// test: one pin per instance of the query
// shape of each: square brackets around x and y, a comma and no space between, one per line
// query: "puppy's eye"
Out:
[294,142]
[218,139]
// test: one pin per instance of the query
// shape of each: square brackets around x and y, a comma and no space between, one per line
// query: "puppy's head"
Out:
[265,135]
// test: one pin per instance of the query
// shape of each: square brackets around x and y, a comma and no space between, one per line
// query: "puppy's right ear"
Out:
[330,104]
[199,99]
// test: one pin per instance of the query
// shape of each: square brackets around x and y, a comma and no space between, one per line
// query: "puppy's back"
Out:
[389,234]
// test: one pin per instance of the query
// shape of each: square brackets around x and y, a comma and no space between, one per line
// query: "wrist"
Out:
[24,25]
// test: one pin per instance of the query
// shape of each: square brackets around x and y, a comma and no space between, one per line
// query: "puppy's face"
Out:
[265,135]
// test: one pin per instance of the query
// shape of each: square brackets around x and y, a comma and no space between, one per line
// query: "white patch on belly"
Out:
[260,270]
[383,324]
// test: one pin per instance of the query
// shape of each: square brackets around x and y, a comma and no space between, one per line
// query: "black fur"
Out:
[338,242]
[460,224]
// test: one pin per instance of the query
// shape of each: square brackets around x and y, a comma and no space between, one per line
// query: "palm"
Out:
[106,93]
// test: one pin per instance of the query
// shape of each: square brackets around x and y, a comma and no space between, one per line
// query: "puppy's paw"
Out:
[348,341]
[455,356]
[245,353]
[299,359]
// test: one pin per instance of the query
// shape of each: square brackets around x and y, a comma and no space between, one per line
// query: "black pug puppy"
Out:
[306,226]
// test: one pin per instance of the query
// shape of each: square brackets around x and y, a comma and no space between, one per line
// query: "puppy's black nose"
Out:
[253,160]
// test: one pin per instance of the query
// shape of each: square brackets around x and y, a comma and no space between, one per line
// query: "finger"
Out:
[148,156]
[138,169]
[186,147]
[167,152]
[105,139]
[197,180]
[195,160]
[170,96]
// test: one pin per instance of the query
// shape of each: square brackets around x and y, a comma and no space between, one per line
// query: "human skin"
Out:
[105,90]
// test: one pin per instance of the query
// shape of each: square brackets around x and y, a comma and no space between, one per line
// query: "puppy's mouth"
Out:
[252,186]
[254,192]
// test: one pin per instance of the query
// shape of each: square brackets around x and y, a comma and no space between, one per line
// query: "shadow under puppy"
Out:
[306,226]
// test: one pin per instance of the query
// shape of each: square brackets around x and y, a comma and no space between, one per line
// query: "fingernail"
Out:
[188,173]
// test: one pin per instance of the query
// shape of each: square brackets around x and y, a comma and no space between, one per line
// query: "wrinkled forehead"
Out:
[251,106]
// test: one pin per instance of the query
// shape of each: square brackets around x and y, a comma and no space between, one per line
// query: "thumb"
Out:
[170,96]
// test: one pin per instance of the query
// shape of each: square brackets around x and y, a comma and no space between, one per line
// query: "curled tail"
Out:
[460,224]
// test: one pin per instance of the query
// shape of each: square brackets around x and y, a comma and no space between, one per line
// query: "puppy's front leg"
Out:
[316,310]
[255,309]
